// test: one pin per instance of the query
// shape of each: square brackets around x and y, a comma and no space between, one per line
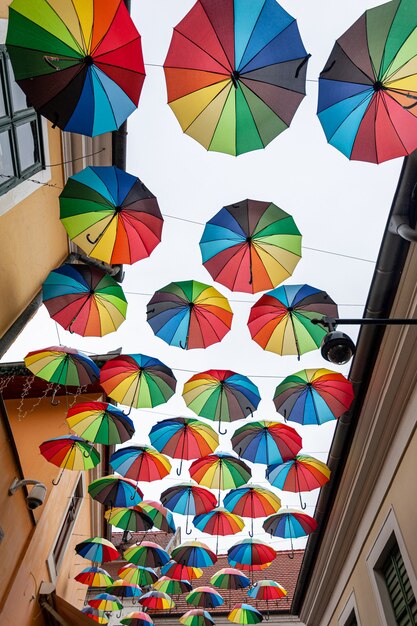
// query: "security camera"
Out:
[337,347]
[37,494]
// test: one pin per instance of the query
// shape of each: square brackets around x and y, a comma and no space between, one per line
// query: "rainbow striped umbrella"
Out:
[252,501]
[229,578]
[137,575]
[94,577]
[136,618]
[221,395]
[177,571]
[194,554]
[266,442]
[188,499]
[219,522]
[138,381]
[303,473]
[250,552]
[147,554]
[123,589]
[171,586]
[84,300]
[204,596]
[244,614]
[140,463]
[290,524]
[189,314]
[105,602]
[62,366]
[220,471]
[97,550]
[157,600]
[161,517]
[70,452]
[114,491]
[313,396]
[267,590]
[133,519]
[100,422]
[95,615]
[197,617]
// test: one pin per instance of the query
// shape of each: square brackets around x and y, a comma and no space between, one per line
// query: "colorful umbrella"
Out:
[280,321]
[136,618]
[95,615]
[171,586]
[266,442]
[229,578]
[133,519]
[189,314]
[367,91]
[111,215]
[219,522]
[70,452]
[252,501]
[113,491]
[105,602]
[251,246]
[183,438]
[94,577]
[197,617]
[177,571]
[313,396]
[122,589]
[290,524]
[220,471]
[100,422]
[62,366]
[97,550]
[80,64]
[221,395]
[188,499]
[138,381]
[304,473]
[194,554]
[157,600]
[161,517]
[207,597]
[235,75]
[147,554]
[244,614]
[140,463]
[267,590]
[250,552]
[84,300]
[137,575]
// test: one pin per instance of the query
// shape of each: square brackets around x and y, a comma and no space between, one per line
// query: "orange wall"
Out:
[3,8]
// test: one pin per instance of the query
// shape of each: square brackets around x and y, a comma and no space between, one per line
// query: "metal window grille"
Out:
[399,589]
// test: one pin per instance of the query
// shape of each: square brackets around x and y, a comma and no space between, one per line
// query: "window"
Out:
[352,621]
[349,615]
[21,153]
[399,588]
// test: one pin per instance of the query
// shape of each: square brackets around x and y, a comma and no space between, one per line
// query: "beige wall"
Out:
[3,8]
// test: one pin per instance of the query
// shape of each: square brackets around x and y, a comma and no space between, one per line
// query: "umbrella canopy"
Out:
[105,602]
[367,90]
[250,552]
[177,571]
[183,438]
[136,618]
[229,578]
[235,76]
[188,499]
[147,554]
[97,550]
[221,395]
[290,524]
[219,522]
[137,380]
[197,617]
[267,590]
[266,442]
[140,463]
[313,396]
[244,614]
[100,422]
[194,554]
[161,517]
[94,577]
[70,452]
[84,300]
[189,314]
[62,366]
[252,501]
[113,491]
[157,600]
[111,215]
[80,64]
[171,586]
[220,471]
[133,519]
[123,589]
[137,575]
[251,246]
[303,473]
[207,597]
[280,321]
[95,615]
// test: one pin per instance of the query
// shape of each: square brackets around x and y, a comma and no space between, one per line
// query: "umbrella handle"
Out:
[249,408]
[303,62]
[250,533]
[59,478]
[188,531]
[53,401]
[94,241]
[327,69]
[285,415]
[291,556]
[221,432]
[179,469]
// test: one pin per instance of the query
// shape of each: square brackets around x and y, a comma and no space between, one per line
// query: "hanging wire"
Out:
[48,388]
[21,414]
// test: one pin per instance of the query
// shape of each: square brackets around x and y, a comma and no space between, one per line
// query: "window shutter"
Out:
[399,589]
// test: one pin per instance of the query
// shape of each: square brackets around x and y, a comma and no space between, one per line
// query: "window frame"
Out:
[350,610]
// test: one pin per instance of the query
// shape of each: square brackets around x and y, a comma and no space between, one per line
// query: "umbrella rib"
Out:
[66,27]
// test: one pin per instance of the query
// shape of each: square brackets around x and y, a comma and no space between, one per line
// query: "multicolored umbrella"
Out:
[221,395]
[229,578]
[280,321]
[147,554]
[367,90]
[313,396]
[79,64]
[140,463]
[122,589]
[251,554]
[138,381]
[100,422]
[136,618]
[267,590]
[62,366]
[111,215]
[84,300]
[220,471]
[157,600]
[194,554]
[69,452]
[251,246]
[188,499]
[189,314]
[97,550]
[161,517]
[133,519]
[290,524]
[219,522]
[266,442]
[137,575]
[197,617]
[114,491]
[177,571]
[183,438]
[252,501]
[235,75]
[95,615]
[244,614]
[94,577]
[105,602]
[204,596]
[171,586]
[304,473]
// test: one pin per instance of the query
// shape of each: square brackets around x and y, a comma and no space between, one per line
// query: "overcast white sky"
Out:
[339,206]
